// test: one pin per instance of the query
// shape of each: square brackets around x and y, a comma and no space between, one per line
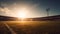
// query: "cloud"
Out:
[4,11]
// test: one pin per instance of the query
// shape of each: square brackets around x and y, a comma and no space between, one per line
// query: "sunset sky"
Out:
[32,8]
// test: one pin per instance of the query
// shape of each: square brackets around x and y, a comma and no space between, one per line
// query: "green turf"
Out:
[34,27]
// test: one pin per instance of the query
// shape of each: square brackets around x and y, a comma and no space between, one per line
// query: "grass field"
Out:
[31,27]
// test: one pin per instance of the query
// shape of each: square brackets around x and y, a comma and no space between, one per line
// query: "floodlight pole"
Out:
[47,10]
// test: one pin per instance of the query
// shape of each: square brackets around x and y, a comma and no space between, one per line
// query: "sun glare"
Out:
[22,13]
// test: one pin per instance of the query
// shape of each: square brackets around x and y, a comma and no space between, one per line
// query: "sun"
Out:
[22,13]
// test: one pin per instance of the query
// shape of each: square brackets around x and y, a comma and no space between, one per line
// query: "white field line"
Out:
[9,28]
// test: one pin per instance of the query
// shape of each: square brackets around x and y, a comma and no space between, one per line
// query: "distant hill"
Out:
[50,18]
